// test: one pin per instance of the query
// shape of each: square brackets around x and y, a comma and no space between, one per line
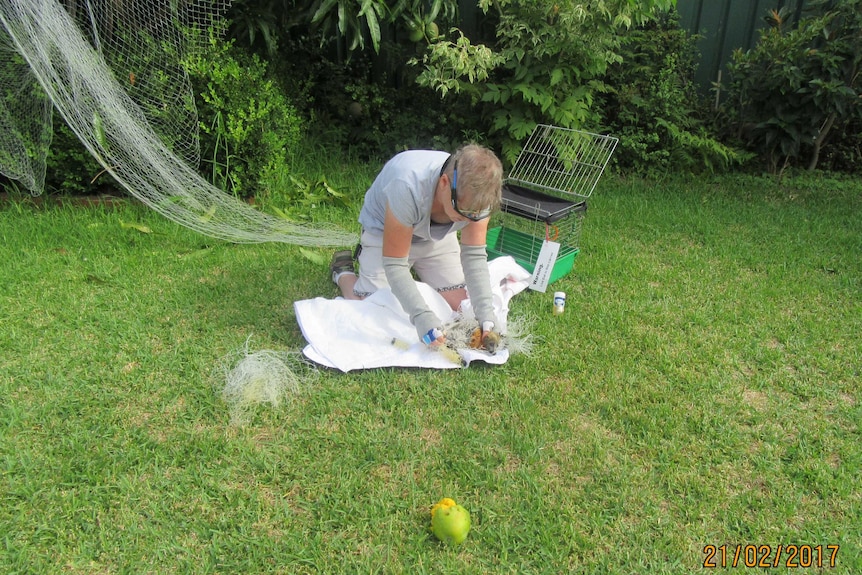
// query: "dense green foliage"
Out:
[652,105]
[355,26]
[70,168]
[352,105]
[341,18]
[248,127]
[545,64]
[796,95]
[378,77]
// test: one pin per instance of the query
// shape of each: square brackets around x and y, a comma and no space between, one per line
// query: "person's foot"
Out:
[342,262]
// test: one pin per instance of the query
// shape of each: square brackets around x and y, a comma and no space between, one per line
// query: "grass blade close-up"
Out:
[697,404]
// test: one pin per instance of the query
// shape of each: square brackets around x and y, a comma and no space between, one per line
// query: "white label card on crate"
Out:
[544,266]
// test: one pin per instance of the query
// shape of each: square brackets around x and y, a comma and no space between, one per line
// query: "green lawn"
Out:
[701,389]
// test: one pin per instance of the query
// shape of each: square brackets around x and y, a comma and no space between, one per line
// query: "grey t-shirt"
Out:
[406,184]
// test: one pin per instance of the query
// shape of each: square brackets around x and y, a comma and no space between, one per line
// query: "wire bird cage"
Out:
[545,196]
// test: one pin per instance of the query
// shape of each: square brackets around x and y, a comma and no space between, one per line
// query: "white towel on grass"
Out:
[349,335]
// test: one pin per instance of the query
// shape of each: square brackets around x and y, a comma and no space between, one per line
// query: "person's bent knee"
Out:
[453,295]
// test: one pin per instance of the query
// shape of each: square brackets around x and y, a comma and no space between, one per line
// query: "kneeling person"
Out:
[410,218]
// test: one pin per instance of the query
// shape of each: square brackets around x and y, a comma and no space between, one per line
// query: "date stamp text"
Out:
[760,556]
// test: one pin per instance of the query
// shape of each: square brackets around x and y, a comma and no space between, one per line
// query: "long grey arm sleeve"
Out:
[404,287]
[474,260]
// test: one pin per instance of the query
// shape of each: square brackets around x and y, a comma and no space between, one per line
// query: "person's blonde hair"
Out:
[480,177]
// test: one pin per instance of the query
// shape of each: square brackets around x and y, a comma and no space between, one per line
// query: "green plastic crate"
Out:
[545,196]
[525,248]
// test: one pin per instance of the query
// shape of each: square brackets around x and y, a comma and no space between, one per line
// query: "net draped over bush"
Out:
[114,75]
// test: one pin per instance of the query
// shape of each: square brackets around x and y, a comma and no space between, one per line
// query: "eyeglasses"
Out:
[473,216]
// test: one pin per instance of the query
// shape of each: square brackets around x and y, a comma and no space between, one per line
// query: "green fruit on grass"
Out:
[431,30]
[450,523]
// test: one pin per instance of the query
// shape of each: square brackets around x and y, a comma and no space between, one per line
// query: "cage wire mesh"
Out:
[545,195]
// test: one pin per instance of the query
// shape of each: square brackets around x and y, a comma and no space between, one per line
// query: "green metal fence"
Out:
[726,25]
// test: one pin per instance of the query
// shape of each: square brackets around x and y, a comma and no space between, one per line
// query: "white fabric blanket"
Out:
[350,335]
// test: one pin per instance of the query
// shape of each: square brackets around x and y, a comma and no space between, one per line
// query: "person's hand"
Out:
[434,337]
[490,338]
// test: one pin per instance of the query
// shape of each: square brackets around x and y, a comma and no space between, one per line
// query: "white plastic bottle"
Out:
[559,302]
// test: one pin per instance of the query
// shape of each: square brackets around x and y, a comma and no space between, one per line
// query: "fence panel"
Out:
[724,26]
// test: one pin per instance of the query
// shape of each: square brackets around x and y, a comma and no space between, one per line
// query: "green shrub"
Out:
[248,127]
[71,169]
[544,65]
[652,105]
[382,119]
[844,152]
[370,105]
[799,87]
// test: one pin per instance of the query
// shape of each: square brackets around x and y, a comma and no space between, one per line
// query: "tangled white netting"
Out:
[517,334]
[110,68]
[249,379]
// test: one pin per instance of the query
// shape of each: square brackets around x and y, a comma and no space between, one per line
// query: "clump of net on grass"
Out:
[250,379]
